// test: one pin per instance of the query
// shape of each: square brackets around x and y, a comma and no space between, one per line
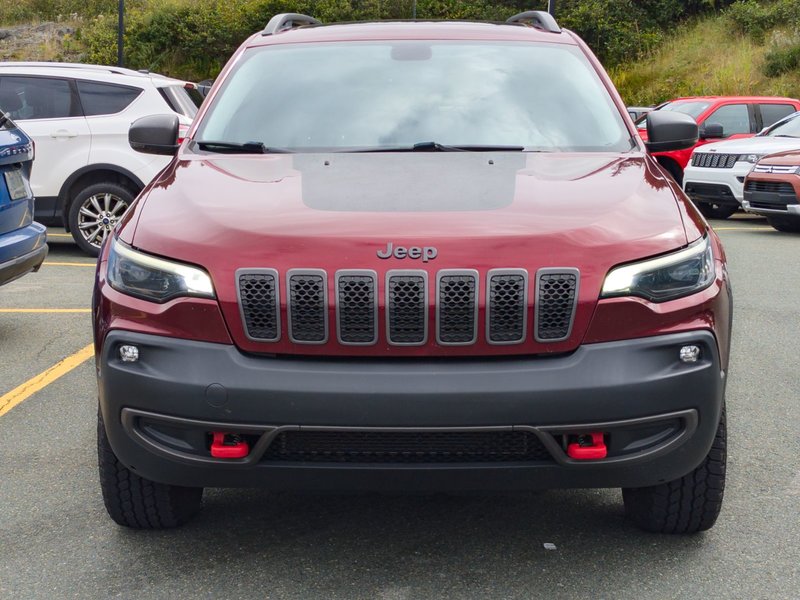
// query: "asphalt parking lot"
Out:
[57,542]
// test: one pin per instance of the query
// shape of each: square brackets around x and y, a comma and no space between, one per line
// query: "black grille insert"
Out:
[556,296]
[456,310]
[357,307]
[307,307]
[774,187]
[258,297]
[407,307]
[714,160]
[507,306]
[407,447]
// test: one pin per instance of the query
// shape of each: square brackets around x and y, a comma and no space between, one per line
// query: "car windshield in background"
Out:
[394,95]
[692,108]
[790,128]
[182,99]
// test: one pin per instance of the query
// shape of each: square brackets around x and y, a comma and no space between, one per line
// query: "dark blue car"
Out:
[23,243]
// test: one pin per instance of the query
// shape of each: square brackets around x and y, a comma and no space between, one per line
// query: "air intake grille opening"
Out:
[357,308]
[407,447]
[456,311]
[555,305]
[258,293]
[507,306]
[713,160]
[407,309]
[308,307]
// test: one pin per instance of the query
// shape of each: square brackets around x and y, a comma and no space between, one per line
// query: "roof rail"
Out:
[538,18]
[287,21]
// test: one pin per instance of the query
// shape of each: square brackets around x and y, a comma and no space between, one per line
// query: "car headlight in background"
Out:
[664,278]
[750,158]
[156,279]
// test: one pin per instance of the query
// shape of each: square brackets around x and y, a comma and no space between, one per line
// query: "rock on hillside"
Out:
[42,41]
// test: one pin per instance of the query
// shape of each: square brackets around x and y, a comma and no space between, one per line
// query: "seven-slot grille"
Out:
[713,160]
[456,297]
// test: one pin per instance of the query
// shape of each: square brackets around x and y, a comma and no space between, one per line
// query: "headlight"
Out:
[664,278]
[143,276]
[750,158]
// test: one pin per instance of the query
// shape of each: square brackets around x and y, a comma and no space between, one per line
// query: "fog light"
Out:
[690,354]
[131,353]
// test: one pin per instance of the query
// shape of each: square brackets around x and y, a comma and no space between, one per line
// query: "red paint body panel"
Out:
[588,211]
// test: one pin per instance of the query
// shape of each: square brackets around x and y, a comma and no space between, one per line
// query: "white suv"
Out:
[86,174]
[714,177]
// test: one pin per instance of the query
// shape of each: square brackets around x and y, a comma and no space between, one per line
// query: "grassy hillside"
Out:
[714,56]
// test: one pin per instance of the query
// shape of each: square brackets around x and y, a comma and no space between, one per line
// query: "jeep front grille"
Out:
[359,446]
[556,295]
[457,307]
[357,307]
[713,160]
[456,299]
[407,307]
[258,301]
[307,306]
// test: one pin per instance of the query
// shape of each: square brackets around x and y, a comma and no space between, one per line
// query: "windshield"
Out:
[384,95]
[786,128]
[692,108]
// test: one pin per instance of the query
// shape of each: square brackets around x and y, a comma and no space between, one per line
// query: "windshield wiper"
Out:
[784,135]
[437,147]
[239,147]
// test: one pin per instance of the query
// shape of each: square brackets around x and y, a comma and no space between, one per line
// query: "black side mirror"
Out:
[711,130]
[155,134]
[667,130]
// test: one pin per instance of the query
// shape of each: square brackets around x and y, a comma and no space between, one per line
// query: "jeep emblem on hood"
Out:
[426,253]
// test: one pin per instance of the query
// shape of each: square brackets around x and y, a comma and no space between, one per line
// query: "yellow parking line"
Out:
[45,310]
[42,380]
[69,264]
[66,235]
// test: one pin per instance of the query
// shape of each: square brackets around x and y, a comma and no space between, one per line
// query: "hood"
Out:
[753,145]
[790,159]
[479,211]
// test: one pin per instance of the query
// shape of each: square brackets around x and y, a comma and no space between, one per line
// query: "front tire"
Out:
[94,212]
[139,503]
[716,211]
[686,505]
[785,224]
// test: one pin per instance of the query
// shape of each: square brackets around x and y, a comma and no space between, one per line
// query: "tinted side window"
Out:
[36,97]
[772,113]
[105,98]
[734,118]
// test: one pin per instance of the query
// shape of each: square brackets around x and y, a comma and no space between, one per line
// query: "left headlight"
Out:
[664,278]
[150,278]
[750,158]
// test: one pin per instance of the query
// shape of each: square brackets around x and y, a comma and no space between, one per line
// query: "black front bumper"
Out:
[659,415]
[711,193]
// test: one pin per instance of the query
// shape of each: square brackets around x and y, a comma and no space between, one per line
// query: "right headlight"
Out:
[664,278]
[151,278]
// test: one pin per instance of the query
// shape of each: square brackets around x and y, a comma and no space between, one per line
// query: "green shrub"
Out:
[779,61]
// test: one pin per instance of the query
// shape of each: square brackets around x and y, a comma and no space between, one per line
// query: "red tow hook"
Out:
[589,446]
[228,445]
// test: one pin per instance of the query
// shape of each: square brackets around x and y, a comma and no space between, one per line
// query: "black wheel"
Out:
[686,505]
[94,212]
[786,224]
[139,503]
[716,211]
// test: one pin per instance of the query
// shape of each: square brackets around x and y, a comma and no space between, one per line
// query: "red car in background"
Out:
[719,118]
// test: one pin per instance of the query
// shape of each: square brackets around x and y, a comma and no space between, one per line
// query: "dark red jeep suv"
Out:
[413,256]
